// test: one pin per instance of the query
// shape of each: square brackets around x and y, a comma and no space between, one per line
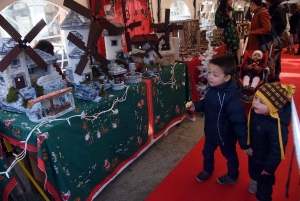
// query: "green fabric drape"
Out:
[230,34]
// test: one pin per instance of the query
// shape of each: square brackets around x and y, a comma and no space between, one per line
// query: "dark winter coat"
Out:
[294,22]
[252,72]
[225,118]
[264,139]
[278,18]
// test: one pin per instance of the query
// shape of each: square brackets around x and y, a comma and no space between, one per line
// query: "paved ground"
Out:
[141,177]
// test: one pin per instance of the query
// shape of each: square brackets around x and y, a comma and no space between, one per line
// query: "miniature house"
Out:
[140,45]
[79,26]
[55,99]
[22,70]
[113,44]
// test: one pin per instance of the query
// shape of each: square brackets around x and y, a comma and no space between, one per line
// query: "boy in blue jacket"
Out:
[268,123]
[225,119]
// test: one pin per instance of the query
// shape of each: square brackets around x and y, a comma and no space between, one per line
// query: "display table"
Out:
[80,159]
[194,71]
[6,184]
[169,100]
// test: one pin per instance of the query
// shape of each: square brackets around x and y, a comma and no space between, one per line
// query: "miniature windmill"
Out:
[78,8]
[22,44]
[94,33]
[130,26]
[167,28]
[152,47]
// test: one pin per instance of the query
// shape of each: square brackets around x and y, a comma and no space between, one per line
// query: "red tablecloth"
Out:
[194,71]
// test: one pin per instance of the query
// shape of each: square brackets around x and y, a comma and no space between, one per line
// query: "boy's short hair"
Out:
[257,2]
[226,63]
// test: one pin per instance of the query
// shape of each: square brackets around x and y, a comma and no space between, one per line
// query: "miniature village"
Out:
[31,85]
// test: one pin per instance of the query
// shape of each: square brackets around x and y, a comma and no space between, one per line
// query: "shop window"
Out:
[114,43]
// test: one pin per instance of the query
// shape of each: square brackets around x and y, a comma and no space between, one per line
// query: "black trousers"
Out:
[228,151]
[264,182]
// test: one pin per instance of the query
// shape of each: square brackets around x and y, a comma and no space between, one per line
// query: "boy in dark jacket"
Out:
[225,119]
[268,123]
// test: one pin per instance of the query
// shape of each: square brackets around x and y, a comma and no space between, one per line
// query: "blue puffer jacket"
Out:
[225,118]
[264,139]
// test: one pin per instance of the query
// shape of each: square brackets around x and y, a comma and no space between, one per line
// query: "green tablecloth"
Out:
[81,158]
[78,158]
[169,100]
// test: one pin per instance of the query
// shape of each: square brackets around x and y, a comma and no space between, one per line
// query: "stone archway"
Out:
[167,4]
[59,3]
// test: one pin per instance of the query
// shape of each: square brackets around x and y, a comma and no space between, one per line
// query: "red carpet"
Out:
[181,184]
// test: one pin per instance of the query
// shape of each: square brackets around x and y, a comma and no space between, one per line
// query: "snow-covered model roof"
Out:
[48,58]
[76,53]
[6,44]
[75,21]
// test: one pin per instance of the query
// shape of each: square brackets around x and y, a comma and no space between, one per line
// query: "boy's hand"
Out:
[250,66]
[265,173]
[248,152]
[256,67]
[190,106]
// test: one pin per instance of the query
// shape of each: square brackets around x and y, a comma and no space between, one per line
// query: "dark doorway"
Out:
[20,82]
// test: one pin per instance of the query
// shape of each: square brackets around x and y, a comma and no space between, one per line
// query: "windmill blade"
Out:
[157,26]
[79,43]
[112,29]
[97,7]
[158,41]
[101,59]
[93,34]
[148,50]
[134,24]
[10,57]
[167,17]
[124,11]
[157,52]
[81,65]
[146,39]
[167,36]
[96,36]
[128,41]
[35,30]
[176,27]
[9,29]
[78,8]
[35,57]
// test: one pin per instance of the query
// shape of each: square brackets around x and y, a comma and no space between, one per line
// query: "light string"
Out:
[21,156]
[172,81]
